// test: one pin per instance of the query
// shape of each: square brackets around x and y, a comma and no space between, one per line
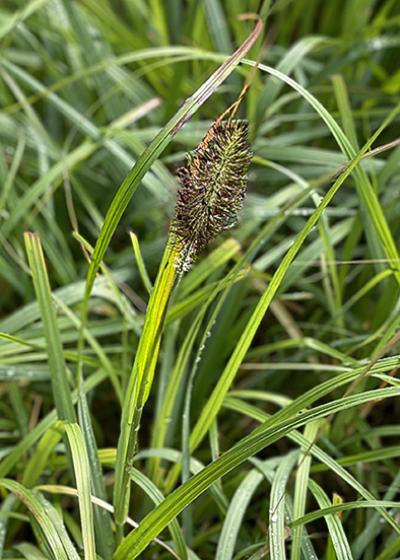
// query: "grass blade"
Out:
[301,485]
[60,383]
[83,482]
[48,529]
[234,517]
[334,524]
[277,507]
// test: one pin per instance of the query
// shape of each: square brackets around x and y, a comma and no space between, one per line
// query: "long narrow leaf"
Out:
[83,481]
[60,383]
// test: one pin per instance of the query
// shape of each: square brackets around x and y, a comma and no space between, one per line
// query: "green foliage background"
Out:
[278,362]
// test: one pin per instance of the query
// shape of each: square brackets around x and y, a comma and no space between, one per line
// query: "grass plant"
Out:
[188,371]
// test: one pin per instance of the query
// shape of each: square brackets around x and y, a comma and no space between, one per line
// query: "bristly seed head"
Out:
[214,184]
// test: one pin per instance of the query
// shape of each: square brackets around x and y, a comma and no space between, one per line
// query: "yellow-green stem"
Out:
[141,378]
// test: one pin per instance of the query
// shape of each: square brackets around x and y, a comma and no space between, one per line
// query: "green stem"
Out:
[141,379]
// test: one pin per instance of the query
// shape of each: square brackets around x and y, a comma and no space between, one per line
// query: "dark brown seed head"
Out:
[214,184]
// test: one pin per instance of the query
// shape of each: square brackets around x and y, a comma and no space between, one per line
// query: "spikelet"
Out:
[213,186]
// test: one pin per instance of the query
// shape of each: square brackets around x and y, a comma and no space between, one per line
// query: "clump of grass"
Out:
[213,188]
[227,389]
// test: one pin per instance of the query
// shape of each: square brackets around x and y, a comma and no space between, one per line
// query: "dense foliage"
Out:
[260,417]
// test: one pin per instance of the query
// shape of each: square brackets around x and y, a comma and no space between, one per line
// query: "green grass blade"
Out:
[157,497]
[30,552]
[83,482]
[140,263]
[8,184]
[8,25]
[301,485]
[336,532]
[277,549]
[102,521]
[217,25]
[60,383]
[235,514]
[38,461]
[49,531]
[57,520]
[345,506]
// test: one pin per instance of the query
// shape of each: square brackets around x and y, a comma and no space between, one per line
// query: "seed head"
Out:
[213,186]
